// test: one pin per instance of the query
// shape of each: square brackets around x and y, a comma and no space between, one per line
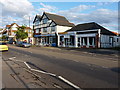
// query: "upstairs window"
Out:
[45,21]
[44,29]
[53,28]
[36,22]
[37,30]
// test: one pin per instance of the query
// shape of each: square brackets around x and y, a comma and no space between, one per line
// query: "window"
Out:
[92,40]
[111,40]
[45,21]
[72,42]
[61,38]
[37,30]
[44,29]
[117,40]
[52,40]
[36,22]
[84,40]
[53,28]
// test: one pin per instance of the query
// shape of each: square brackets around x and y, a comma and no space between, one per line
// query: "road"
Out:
[84,75]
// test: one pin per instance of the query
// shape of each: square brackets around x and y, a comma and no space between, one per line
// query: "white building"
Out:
[88,35]
[47,27]
[10,32]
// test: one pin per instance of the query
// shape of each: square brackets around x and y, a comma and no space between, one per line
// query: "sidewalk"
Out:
[70,55]
[9,79]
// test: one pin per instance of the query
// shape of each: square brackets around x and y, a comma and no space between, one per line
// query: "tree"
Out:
[20,33]
[4,38]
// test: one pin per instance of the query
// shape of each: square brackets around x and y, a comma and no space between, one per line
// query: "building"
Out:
[88,35]
[30,38]
[11,29]
[47,27]
[10,32]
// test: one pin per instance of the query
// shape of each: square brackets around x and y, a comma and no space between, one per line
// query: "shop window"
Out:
[61,38]
[92,40]
[72,42]
[84,40]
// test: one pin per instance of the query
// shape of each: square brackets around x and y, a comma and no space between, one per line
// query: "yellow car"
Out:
[3,46]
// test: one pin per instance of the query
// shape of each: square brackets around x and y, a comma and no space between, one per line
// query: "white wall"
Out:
[117,43]
[14,27]
[105,41]
[62,28]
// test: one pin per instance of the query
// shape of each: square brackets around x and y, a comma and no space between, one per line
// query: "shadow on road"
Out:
[116,69]
[96,51]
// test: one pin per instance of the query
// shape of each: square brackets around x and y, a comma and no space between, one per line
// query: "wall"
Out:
[62,28]
[14,27]
[105,41]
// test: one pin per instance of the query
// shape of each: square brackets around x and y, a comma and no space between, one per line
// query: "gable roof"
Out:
[116,33]
[90,26]
[38,17]
[9,26]
[59,20]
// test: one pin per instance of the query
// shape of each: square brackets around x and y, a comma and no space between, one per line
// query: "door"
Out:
[111,41]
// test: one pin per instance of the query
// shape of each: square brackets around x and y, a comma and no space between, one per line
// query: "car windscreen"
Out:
[3,44]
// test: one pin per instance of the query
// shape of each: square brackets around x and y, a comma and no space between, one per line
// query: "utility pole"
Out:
[29,30]
[29,21]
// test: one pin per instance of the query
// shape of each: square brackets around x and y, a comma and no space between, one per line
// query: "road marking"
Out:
[27,65]
[51,74]
[60,77]
[15,60]
[12,57]
[71,84]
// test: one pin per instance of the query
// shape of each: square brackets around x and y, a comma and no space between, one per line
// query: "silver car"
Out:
[23,44]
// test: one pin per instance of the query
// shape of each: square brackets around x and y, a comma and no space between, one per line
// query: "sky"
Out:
[19,11]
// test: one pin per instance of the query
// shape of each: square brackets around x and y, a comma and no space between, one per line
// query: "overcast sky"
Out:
[18,11]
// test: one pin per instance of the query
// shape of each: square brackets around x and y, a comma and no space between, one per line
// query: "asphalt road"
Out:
[81,74]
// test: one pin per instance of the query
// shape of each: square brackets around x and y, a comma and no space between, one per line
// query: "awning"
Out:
[44,35]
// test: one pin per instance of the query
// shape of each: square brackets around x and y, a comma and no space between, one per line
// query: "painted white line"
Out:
[27,65]
[71,84]
[43,72]
[60,77]
[12,58]
[51,74]
[15,60]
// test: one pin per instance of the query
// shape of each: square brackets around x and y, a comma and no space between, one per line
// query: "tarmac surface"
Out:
[79,67]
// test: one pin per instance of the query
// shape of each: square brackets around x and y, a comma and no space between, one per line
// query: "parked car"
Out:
[23,44]
[3,46]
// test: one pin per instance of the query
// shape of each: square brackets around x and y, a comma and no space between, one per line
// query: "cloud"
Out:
[16,8]
[16,11]
[74,14]
[105,17]
[101,16]
[47,8]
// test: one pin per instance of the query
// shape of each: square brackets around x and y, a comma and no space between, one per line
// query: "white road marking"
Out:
[51,74]
[71,84]
[27,65]
[13,59]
